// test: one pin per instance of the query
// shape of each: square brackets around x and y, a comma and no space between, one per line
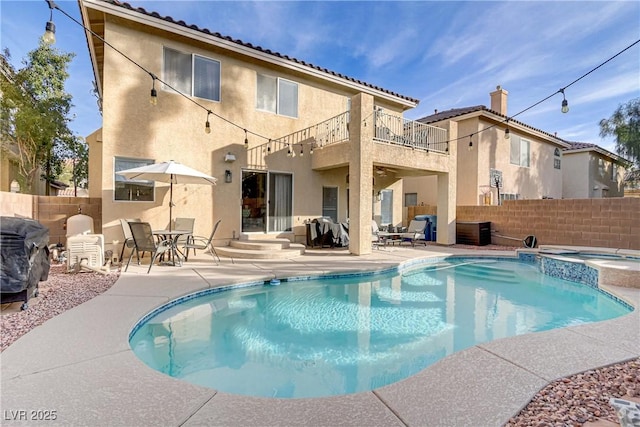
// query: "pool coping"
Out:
[79,363]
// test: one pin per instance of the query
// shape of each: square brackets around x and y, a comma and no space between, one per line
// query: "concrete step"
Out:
[261,245]
[293,251]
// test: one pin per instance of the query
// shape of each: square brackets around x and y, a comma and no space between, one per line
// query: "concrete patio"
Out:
[80,365]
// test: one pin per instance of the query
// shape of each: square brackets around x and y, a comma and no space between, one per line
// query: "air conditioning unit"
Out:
[85,249]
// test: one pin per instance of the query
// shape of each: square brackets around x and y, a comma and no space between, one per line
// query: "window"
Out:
[556,163]
[192,74]
[277,95]
[330,203]
[410,199]
[386,207]
[520,149]
[134,190]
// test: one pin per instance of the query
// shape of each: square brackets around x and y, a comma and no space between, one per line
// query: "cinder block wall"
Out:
[52,211]
[611,222]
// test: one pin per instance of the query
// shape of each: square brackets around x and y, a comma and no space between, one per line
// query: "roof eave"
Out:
[164,25]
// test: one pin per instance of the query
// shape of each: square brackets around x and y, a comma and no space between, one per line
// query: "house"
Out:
[601,173]
[498,158]
[288,140]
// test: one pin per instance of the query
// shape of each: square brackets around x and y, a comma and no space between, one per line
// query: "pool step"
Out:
[261,250]
[485,271]
[261,245]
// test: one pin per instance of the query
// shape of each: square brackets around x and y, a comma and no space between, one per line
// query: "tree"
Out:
[34,113]
[624,125]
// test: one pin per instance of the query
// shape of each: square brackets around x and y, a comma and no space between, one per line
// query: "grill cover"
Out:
[24,254]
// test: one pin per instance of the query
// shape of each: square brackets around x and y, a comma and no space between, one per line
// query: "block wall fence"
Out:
[51,211]
[610,222]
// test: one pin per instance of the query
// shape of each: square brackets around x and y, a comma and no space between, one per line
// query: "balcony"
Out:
[397,130]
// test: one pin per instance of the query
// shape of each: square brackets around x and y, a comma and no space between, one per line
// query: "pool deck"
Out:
[79,363]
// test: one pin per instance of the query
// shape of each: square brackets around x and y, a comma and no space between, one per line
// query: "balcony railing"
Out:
[330,131]
[400,131]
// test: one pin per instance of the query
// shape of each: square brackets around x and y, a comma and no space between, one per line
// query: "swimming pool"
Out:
[322,337]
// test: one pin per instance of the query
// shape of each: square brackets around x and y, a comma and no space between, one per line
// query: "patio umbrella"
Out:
[171,172]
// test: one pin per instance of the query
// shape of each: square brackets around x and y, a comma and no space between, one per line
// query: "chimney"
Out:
[499,100]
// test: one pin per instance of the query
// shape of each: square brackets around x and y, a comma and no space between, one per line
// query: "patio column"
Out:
[447,184]
[361,127]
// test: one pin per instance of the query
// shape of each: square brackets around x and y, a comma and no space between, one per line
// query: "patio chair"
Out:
[145,242]
[415,232]
[184,224]
[203,243]
[375,238]
[128,237]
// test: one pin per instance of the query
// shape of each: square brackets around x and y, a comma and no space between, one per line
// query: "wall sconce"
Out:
[378,196]
[228,177]
[229,158]
[15,187]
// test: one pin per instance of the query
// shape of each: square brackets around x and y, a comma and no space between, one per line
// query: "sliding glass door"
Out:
[267,201]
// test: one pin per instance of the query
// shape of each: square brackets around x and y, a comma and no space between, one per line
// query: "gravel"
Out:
[570,401]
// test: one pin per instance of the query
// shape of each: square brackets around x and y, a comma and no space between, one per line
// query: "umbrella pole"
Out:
[170,201]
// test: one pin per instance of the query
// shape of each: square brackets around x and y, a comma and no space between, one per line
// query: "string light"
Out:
[470,142]
[50,28]
[311,149]
[288,151]
[207,125]
[49,36]
[565,103]
[301,150]
[507,133]
[153,100]
[246,140]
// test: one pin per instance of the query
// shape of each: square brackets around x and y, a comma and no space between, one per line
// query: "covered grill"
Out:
[24,256]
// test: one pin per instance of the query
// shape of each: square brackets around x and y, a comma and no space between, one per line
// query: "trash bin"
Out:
[24,256]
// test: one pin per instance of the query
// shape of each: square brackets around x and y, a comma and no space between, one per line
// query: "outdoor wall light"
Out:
[228,177]
[229,157]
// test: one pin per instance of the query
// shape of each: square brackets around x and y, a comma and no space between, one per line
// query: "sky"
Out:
[445,54]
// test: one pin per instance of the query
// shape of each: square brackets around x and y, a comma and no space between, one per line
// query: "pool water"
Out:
[345,335]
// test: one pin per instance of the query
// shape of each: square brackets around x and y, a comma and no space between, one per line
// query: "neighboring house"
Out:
[352,146]
[525,163]
[591,172]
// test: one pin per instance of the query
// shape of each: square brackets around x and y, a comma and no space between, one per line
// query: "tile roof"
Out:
[579,146]
[257,48]
[456,112]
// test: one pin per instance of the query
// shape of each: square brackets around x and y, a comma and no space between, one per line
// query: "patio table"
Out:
[173,236]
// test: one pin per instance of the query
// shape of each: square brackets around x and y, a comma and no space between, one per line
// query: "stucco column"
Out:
[360,174]
[447,184]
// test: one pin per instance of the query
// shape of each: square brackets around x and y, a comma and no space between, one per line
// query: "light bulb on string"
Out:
[507,132]
[207,125]
[565,103]
[301,150]
[470,142]
[246,140]
[153,100]
[49,36]
[288,150]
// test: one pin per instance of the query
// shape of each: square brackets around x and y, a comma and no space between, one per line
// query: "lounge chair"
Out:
[145,242]
[415,232]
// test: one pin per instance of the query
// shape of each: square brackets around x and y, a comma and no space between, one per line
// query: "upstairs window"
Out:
[192,75]
[520,151]
[277,95]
